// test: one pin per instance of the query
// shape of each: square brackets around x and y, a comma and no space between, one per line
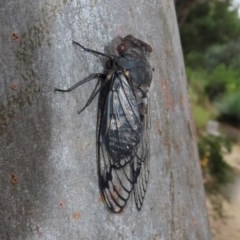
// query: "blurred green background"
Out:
[210,35]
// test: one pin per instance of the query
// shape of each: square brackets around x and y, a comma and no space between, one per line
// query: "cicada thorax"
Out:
[138,71]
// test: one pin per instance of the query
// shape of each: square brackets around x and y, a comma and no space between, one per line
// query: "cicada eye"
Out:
[122,48]
[148,48]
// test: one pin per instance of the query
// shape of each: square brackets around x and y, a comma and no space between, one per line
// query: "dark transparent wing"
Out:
[142,161]
[123,153]
[143,151]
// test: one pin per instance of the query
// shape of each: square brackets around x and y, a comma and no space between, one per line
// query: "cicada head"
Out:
[131,46]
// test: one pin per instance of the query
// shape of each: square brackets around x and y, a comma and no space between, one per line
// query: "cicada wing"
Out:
[115,183]
[123,145]
[142,158]
[119,136]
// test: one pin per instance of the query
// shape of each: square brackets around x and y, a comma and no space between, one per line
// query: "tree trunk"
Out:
[48,166]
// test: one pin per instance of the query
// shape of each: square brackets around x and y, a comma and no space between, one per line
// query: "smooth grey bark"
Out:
[48,170]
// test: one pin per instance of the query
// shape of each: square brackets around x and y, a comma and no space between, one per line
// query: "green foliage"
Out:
[201,116]
[229,109]
[211,44]
[213,149]
[196,78]
[221,80]
[195,59]
[202,109]
[208,23]
[227,54]
[215,95]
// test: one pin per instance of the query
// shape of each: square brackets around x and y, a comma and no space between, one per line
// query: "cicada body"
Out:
[123,123]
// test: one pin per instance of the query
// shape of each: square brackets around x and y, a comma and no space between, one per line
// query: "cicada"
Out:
[123,122]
